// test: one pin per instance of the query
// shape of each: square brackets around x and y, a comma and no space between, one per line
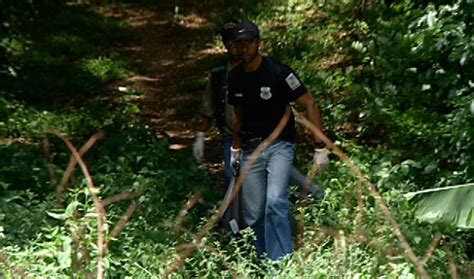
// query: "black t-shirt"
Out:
[263,96]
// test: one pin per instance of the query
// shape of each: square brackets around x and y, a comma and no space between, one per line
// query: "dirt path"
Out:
[173,47]
[168,51]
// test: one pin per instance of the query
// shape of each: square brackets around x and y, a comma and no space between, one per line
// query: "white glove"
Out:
[320,158]
[198,146]
[235,156]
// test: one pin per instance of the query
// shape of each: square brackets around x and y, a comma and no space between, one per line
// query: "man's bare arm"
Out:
[312,110]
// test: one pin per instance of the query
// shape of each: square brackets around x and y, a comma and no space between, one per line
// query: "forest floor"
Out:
[173,48]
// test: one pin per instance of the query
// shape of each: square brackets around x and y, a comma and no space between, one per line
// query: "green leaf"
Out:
[452,205]
[56,215]
[67,213]
[70,209]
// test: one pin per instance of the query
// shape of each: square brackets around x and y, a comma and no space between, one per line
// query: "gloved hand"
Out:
[316,193]
[321,159]
[235,156]
[198,146]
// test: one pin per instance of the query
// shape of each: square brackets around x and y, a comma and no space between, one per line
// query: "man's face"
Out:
[231,50]
[247,49]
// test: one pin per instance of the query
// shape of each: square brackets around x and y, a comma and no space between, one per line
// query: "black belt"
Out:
[252,143]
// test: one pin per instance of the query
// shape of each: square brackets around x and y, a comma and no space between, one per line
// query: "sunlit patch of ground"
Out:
[171,49]
[195,21]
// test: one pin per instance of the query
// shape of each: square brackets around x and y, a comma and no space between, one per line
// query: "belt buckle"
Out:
[256,140]
[252,143]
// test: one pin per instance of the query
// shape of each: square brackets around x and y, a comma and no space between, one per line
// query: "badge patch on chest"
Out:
[265,93]
[292,81]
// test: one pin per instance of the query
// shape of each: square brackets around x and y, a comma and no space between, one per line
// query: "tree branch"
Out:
[238,184]
[374,192]
[434,244]
[72,164]
[49,158]
[122,197]
[189,204]
[123,220]
[101,217]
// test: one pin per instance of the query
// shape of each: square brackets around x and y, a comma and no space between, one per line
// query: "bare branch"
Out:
[361,208]
[189,204]
[374,192]
[238,184]
[122,197]
[49,158]
[434,244]
[123,220]
[72,164]
[15,268]
[452,263]
[211,249]
[101,217]
[223,261]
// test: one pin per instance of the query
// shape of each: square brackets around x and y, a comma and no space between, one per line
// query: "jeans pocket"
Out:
[286,149]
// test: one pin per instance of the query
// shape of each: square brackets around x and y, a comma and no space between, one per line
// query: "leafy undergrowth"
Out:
[128,159]
[395,92]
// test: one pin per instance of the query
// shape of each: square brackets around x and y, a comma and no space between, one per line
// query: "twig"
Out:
[101,217]
[321,232]
[398,232]
[49,158]
[384,248]
[299,230]
[72,164]
[320,236]
[198,244]
[215,218]
[373,190]
[452,264]
[142,268]
[434,244]
[184,211]
[77,232]
[123,220]
[121,197]
[15,268]
[361,207]
[189,247]
[193,246]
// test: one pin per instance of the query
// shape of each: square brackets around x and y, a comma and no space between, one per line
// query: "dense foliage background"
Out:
[393,78]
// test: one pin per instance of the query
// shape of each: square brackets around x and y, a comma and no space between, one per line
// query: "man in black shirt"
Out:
[261,89]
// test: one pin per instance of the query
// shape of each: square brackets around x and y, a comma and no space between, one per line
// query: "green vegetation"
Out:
[395,82]
[448,205]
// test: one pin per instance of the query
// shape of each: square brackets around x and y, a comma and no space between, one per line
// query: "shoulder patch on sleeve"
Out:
[292,81]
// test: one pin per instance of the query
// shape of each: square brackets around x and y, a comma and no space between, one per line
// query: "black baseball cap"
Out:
[227,30]
[246,30]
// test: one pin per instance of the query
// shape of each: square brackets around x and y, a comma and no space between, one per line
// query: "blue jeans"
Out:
[265,198]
